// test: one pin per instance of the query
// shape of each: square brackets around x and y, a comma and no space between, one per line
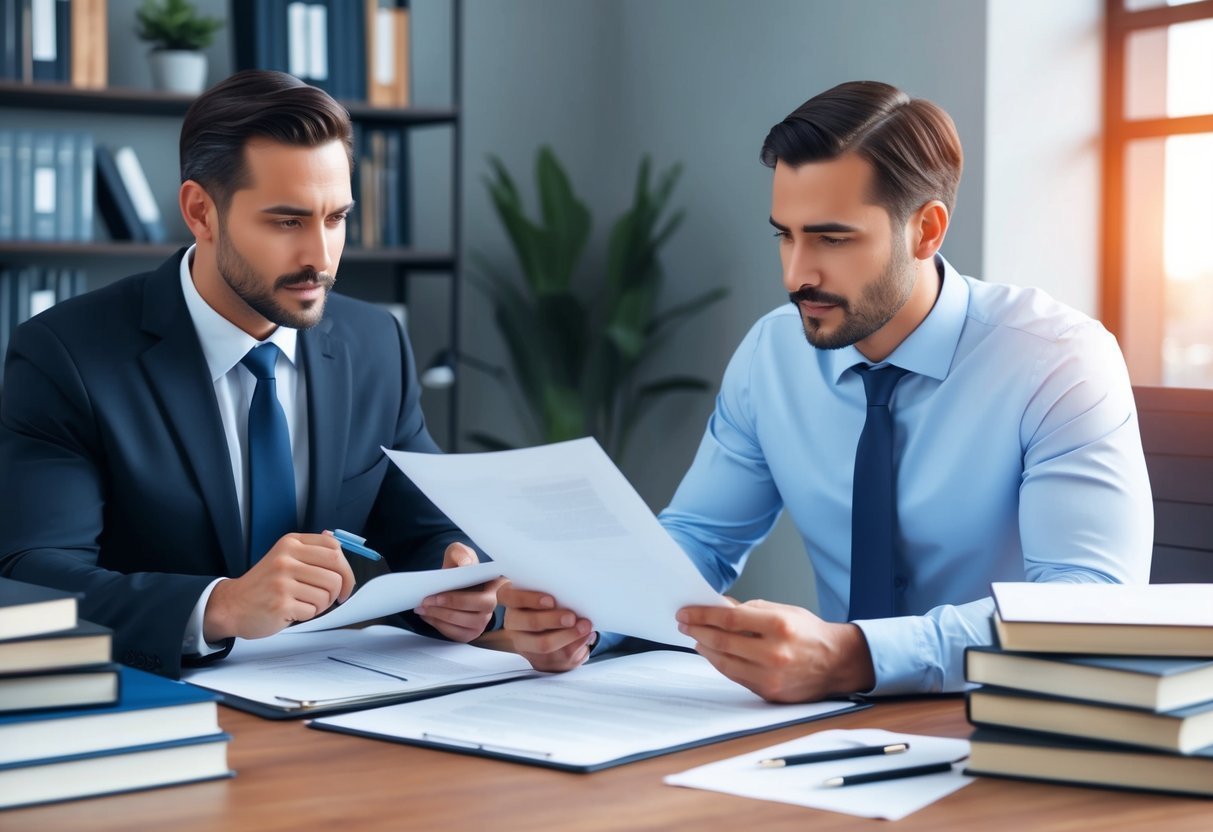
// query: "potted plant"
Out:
[577,348]
[178,34]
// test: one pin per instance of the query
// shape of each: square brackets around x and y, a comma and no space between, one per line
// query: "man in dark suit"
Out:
[151,461]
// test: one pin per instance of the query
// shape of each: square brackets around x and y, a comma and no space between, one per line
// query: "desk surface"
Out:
[290,777]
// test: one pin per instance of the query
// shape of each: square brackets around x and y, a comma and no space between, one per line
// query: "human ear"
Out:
[198,210]
[926,229]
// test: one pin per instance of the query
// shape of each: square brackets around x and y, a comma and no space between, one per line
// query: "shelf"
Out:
[120,101]
[410,257]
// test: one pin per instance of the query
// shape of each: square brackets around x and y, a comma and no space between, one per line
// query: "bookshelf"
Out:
[396,266]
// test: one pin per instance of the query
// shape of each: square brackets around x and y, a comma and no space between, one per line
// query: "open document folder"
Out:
[562,519]
[292,675]
[596,716]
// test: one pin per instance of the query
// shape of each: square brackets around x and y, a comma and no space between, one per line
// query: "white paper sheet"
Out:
[288,671]
[596,714]
[801,785]
[562,519]
[388,594]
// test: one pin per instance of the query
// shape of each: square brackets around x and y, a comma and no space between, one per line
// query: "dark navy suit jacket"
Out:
[115,479]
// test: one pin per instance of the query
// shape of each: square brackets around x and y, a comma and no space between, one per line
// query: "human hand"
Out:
[460,614]
[780,652]
[548,637]
[301,576]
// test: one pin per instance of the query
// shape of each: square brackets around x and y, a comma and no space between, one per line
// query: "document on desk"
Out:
[293,675]
[397,591]
[801,785]
[600,715]
[561,518]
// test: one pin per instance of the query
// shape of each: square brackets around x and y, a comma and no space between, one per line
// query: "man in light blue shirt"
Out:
[1015,446]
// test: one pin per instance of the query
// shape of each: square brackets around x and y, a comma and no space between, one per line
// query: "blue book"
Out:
[10,40]
[150,710]
[63,41]
[115,771]
[43,40]
[1155,683]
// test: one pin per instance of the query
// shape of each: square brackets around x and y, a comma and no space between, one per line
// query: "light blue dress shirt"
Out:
[1018,451]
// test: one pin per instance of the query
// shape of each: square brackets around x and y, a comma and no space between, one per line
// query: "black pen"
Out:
[890,774]
[836,754]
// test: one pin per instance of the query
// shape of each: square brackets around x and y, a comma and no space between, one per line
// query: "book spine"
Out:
[43,41]
[318,46]
[10,27]
[297,21]
[86,199]
[8,174]
[45,192]
[23,180]
[63,41]
[66,182]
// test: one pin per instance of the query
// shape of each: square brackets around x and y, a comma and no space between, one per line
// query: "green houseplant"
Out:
[177,33]
[576,348]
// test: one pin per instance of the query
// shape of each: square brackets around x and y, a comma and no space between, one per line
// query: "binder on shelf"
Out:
[66,181]
[387,53]
[86,193]
[8,175]
[113,200]
[89,53]
[260,34]
[63,40]
[44,190]
[140,192]
[43,41]
[23,182]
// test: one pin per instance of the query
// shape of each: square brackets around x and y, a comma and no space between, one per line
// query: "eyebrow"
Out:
[820,228]
[294,211]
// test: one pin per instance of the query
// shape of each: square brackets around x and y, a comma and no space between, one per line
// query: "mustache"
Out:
[305,277]
[808,294]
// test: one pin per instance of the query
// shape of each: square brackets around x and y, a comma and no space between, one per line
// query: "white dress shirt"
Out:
[224,345]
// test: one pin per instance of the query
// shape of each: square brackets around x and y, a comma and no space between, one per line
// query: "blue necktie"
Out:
[874,501]
[272,506]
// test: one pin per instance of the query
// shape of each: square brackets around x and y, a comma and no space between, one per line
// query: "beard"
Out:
[876,306]
[239,274]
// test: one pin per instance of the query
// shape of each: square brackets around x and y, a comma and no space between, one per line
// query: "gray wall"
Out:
[698,82]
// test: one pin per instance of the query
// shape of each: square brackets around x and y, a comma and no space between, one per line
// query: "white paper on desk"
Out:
[800,785]
[562,519]
[285,669]
[388,594]
[599,714]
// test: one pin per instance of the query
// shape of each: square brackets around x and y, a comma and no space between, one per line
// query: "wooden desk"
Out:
[290,777]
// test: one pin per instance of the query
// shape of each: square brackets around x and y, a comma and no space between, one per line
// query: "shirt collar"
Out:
[223,343]
[930,348]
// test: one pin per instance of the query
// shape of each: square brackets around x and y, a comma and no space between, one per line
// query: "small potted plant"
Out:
[178,34]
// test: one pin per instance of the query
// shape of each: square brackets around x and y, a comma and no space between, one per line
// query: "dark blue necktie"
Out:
[271,468]
[874,501]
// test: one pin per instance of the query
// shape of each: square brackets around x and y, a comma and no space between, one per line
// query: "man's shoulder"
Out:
[119,303]
[1028,310]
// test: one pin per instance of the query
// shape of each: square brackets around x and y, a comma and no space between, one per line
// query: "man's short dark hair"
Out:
[911,143]
[249,105]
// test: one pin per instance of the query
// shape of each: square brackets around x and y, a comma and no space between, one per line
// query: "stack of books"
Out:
[72,724]
[1106,685]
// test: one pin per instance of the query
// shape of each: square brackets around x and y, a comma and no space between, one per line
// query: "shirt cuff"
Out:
[901,655]
[194,643]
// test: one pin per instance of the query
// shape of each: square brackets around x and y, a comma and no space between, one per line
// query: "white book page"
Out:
[562,519]
[1189,605]
[593,715]
[289,671]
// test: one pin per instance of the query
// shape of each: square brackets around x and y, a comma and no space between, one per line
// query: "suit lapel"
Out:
[180,380]
[326,366]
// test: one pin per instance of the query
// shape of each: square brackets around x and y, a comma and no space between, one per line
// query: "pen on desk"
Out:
[835,754]
[354,544]
[888,774]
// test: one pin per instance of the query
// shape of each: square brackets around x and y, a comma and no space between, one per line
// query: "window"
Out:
[1157,293]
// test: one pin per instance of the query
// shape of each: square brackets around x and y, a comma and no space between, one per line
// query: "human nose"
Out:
[799,268]
[317,252]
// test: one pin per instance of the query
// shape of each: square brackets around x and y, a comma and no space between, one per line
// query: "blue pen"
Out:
[354,544]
